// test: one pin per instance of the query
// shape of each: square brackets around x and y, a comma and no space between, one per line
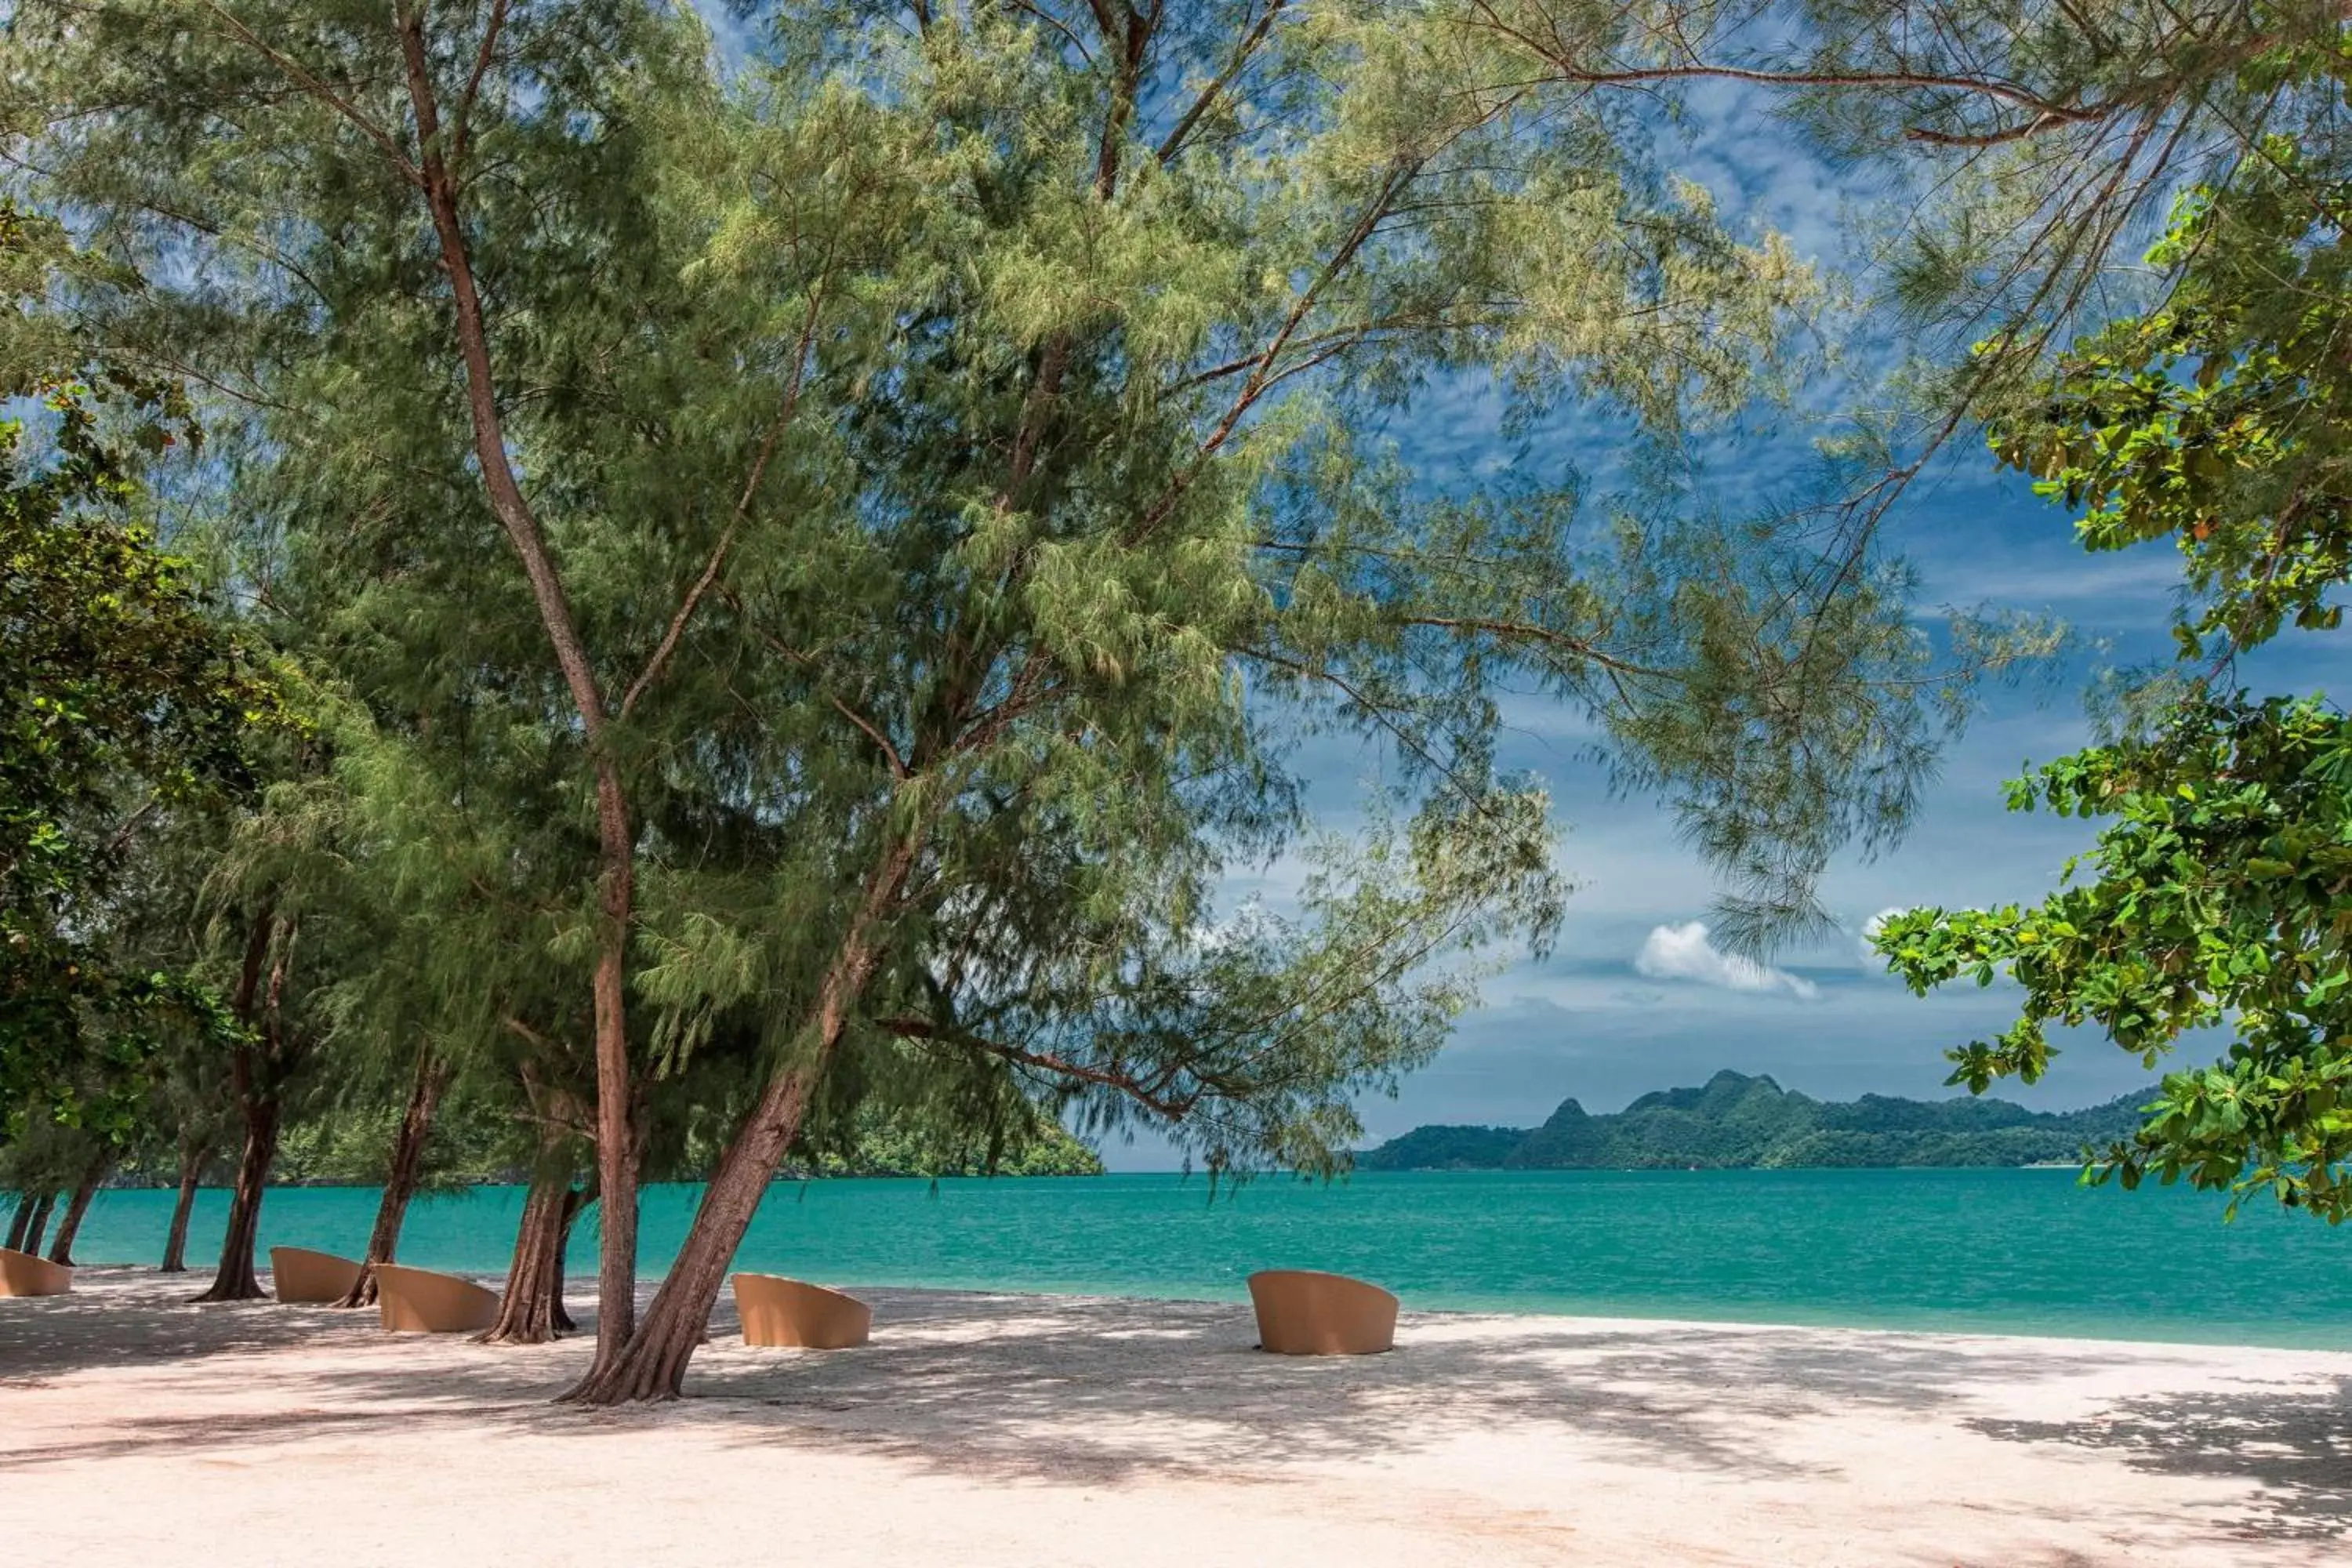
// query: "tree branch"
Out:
[873,732]
[318,87]
[1262,376]
[1173,1110]
[1244,52]
[465,115]
[760,462]
[1525,631]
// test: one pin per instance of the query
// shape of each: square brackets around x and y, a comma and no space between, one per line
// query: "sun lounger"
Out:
[418,1301]
[22,1274]
[301,1275]
[1302,1313]
[787,1312]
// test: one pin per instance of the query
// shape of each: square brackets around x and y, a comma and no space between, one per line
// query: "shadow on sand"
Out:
[1024,1389]
[2297,1447]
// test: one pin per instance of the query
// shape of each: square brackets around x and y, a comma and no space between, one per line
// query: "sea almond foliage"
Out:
[2216,896]
[126,698]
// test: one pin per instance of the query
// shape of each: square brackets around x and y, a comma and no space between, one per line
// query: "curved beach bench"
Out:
[300,1275]
[22,1274]
[419,1301]
[778,1312]
[1302,1313]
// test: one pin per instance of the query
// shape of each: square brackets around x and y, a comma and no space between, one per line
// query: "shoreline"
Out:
[989,1428]
[163,1183]
[580,1288]
[581,1292]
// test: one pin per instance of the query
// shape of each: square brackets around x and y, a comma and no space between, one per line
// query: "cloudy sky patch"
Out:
[1685,953]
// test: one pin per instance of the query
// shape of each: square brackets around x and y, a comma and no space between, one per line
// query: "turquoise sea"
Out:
[1985,1251]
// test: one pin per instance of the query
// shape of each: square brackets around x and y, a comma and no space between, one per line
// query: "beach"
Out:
[1008,1429]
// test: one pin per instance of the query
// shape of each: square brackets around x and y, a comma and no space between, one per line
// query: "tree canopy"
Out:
[125,698]
[2216,895]
[823,565]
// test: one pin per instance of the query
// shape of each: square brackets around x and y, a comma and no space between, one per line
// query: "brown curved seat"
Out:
[419,1301]
[22,1274]
[787,1312]
[298,1274]
[1302,1313]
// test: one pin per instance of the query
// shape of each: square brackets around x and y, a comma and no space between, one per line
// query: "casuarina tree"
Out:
[894,511]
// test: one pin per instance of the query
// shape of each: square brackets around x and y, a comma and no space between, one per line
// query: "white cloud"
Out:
[1862,950]
[1684,952]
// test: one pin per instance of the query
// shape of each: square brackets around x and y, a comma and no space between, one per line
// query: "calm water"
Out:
[1999,1251]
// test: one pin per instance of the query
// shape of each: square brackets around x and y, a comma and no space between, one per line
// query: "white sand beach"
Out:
[982,1430]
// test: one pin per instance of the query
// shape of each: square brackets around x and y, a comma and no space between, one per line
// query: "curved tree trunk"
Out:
[37,1222]
[176,1242]
[77,1206]
[20,1223]
[407,1168]
[617,1106]
[235,1280]
[258,1091]
[576,1202]
[652,1365]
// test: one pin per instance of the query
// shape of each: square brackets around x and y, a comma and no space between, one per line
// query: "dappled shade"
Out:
[419,1301]
[777,1311]
[22,1274]
[1303,1312]
[300,1275]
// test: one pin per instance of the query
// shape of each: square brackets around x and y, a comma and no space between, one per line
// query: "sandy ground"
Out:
[1046,1432]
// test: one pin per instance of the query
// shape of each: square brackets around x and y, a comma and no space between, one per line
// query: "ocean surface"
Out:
[1969,1251]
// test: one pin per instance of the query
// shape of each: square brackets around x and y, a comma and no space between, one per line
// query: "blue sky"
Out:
[1634,997]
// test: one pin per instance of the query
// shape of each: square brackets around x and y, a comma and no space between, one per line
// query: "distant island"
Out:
[1737,1121]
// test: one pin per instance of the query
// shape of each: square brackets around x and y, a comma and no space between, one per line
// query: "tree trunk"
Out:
[257,1093]
[617,1134]
[235,1279]
[37,1222]
[407,1168]
[576,1202]
[21,1222]
[653,1365]
[616,1140]
[535,1279]
[175,1243]
[78,1205]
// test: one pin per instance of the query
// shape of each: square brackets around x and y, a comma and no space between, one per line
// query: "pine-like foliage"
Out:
[2021,148]
[838,553]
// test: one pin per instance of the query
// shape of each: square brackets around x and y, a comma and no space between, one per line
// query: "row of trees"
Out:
[754,598]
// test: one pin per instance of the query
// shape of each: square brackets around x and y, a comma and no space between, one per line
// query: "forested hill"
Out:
[1738,1122]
